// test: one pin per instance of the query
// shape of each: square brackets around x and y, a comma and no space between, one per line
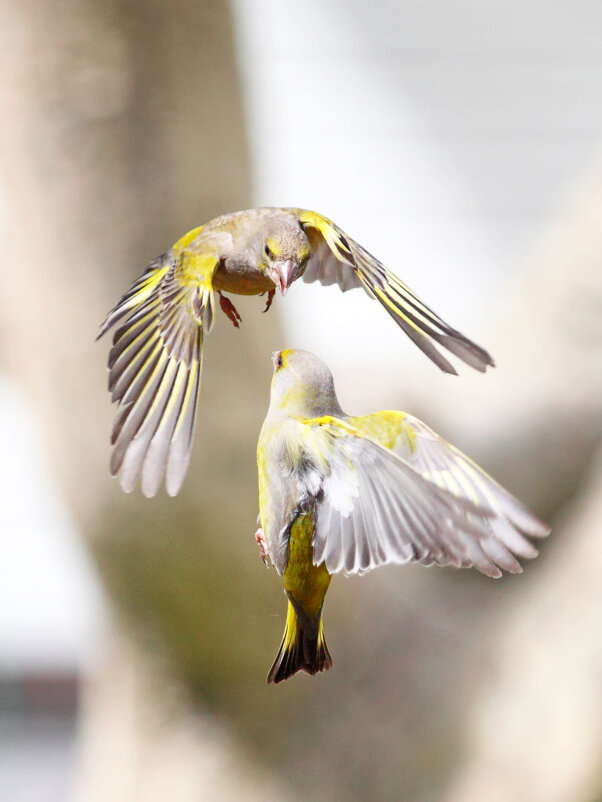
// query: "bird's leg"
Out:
[271,294]
[262,546]
[229,309]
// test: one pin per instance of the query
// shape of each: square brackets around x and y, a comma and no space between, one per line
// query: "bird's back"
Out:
[245,224]
[389,428]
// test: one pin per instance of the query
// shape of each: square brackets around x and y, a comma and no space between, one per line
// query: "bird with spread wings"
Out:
[348,494]
[155,361]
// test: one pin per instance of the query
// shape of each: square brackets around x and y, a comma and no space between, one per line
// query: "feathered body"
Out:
[369,491]
[156,359]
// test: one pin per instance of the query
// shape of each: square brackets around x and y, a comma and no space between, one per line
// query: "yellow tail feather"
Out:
[303,648]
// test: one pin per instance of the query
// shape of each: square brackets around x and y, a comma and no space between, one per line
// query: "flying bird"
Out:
[156,358]
[348,494]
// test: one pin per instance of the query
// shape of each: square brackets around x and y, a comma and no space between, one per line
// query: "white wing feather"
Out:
[374,508]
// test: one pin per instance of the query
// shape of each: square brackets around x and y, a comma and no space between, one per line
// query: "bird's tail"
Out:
[303,648]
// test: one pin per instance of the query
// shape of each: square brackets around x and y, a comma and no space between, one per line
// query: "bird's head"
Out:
[302,385]
[284,251]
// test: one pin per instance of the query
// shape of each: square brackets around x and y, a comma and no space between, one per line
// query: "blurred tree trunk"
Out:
[122,130]
[144,744]
[535,730]
[535,725]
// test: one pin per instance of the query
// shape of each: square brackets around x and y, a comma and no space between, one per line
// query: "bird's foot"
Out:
[229,310]
[271,294]
[262,546]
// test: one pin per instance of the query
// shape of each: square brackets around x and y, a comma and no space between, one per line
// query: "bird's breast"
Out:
[241,278]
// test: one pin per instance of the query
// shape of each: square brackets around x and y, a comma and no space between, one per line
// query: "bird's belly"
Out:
[241,279]
[307,583]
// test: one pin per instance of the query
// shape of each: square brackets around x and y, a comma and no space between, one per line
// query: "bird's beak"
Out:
[282,274]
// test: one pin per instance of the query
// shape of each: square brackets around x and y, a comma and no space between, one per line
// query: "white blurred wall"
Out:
[444,136]
[51,616]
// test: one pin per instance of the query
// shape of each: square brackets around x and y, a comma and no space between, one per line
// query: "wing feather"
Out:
[335,258]
[442,462]
[154,371]
[181,443]
[374,507]
[447,467]
[155,461]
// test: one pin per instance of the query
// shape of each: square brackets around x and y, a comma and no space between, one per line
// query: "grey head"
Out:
[302,386]
[282,250]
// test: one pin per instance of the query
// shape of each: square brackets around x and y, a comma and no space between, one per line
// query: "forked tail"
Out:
[303,648]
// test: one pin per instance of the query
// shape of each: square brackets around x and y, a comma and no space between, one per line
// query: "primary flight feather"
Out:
[349,494]
[156,358]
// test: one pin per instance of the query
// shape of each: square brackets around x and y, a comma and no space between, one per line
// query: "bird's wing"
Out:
[372,508]
[330,260]
[277,491]
[155,367]
[446,466]
[337,259]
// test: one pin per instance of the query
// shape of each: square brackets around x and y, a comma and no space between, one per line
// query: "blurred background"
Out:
[460,142]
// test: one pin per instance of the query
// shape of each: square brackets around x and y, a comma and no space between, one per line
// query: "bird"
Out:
[155,361]
[348,494]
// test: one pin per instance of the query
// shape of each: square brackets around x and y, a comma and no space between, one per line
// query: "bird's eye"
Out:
[267,250]
[277,360]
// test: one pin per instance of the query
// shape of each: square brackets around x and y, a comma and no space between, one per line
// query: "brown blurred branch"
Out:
[123,129]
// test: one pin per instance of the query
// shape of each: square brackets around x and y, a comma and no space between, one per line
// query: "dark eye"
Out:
[279,362]
[267,250]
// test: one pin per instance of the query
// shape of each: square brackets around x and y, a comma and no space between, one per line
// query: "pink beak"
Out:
[283,274]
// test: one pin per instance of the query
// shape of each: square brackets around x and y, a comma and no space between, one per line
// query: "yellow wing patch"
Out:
[337,423]
[185,241]
[331,233]
[389,428]
[196,269]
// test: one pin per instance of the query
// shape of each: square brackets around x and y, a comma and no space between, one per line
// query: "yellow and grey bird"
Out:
[349,494]
[156,358]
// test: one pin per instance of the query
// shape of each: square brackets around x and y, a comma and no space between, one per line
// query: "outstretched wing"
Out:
[330,260]
[155,368]
[372,508]
[446,466]
[337,259]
